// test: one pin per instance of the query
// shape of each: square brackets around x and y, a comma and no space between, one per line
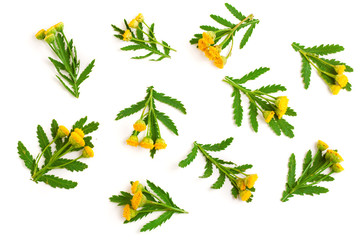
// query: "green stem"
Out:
[168,207]
[42,153]
[63,165]
[314,65]
[153,40]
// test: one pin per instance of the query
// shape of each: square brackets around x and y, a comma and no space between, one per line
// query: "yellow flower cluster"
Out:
[127,36]
[76,139]
[138,200]
[340,79]
[50,34]
[281,106]
[331,156]
[211,52]
[245,185]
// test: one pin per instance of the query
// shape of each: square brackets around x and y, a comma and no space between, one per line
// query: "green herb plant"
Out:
[315,169]
[144,201]
[53,154]
[68,67]
[143,38]
[149,120]
[272,108]
[241,186]
[330,70]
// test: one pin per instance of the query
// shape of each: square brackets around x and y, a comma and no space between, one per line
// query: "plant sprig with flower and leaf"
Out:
[143,38]
[209,41]
[272,108]
[68,67]
[149,120]
[144,201]
[53,154]
[330,70]
[312,172]
[242,187]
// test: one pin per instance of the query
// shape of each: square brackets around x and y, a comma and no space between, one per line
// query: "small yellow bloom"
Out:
[51,30]
[136,186]
[250,180]
[50,38]
[139,125]
[213,53]
[202,44]
[341,79]
[220,62]
[147,142]
[333,156]
[268,115]
[340,69]
[129,213]
[76,140]
[59,26]
[88,152]
[245,195]
[132,141]
[335,89]
[337,168]
[209,37]
[160,144]
[138,200]
[240,182]
[322,146]
[62,131]
[40,34]
[127,36]
[139,18]
[280,113]
[80,132]
[282,102]
[134,23]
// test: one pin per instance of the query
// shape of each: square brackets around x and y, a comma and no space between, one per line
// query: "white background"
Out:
[30,95]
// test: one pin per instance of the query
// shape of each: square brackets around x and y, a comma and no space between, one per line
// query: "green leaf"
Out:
[286,127]
[307,161]
[66,87]
[222,21]
[189,158]
[139,33]
[218,146]
[305,71]
[131,110]
[26,156]
[117,29]
[132,47]
[142,57]
[54,128]
[160,193]
[122,199]
[80,123]
[85,74]
[234,192]
[238,110]
[69,165]
[235,12]
[57,64]
[55,182]
[91,127]
[325,49]
[209,28]
[244,167]
[169,100]
[157,222]
[166,49]
[274,125]
[166,121]
[323,178]
[220,181]
[297,46]
[253,115]
[290,112]
[247,35]
[311,190]
[291,172]
[155,130]
[272,88]
[208,169]
[252,75]
[43,143]
[151,33]
[336,62]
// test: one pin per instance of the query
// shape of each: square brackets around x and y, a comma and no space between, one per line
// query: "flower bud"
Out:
[160,144]
[250,180]
[50,38]
[136,186]
[138,200]
[40,34]
[133,141]
[51,30]
[337,168]
[282,102]
[88,152]
[245,195]
[59,26]
[335,89]
[209,37]
[268,115]
[80,132]
[280,113]
[139,125]
[322,146]
[128,212]
[62,131]
[240,182]
[202,45]
[127,36]
[139,18]
[220,62]
[340,69]
[147,142]
[76,140]
[341,79]
[134,23]
[333,156]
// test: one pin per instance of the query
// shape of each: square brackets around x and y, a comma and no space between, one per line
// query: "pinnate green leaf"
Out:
[169,100]
[247,35]
[85,74]
[272,88]
[291,173]
[190,157]
[238,110]
[252,75]
[208,169]
[131,110]
[235,12]
[220,181]
[57,182]
[26,156]
[218,146]
[305,71]
[157,222]
[160,193]
[166,121]
[325,49]
[43,143]
[222,21]
[253,116]
[91,127]
[70,165]
[311,190]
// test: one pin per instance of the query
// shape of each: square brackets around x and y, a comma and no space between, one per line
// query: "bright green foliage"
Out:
[153,115]
[143,38]
[310,56]
[227,169]
[311,174]
[260,100]
[156,200]
[54,158]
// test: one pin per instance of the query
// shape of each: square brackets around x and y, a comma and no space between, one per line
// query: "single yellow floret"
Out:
[132,141]
[322,146]
[49,38]
[340,69]
[250,180]
[51,30]
[80,132]
[76,140]
[335,89]
[280,113]
[160,144]
[147,142]
[268,115]
[127,36]
[240,182]
[134,23]
[129,213]
[62,131]
[136,186]
[139,18]
[88,152]
[213,53]
[59,26]
[138,200]
[40,34]
[337,168]
[245,195]
[139,125]
[220,62]
[341,79]
[209,37]
[333,156]
[202,44]
[282,102]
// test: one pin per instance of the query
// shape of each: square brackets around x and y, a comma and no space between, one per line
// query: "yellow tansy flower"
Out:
[138,200]
[220,62]
[282,102]
[134,23]
[76,140]
[88,152]
[209,37]
[202,44]
[335,89]
[245,195]
[62,131]
[250,180]
[132,141]
[80,132]
[333,156]
[213,52]
[139,18]
[49,38]
[51,30]
[59,26]
[240,182]
[268,115]
[341,79]
[280,113]
[136,186]
[340,69]
[337,168]
[322,146]
[129,213]
[127,36]
[147,142]
[160,144]
[40,34]
[139,125]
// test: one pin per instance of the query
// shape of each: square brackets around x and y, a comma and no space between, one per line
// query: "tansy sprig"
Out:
[312,172]
[149,120]
[68,67]
[242,186]
[272,108]
[208,41]
[64,142]
[142,202]
[143,37]
[330,70]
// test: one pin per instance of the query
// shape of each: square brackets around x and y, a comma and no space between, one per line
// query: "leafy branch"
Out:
[272,108]
[144,201]
[241,187]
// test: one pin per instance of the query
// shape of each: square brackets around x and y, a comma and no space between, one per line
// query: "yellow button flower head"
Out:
[51,30]
[282,102]
[268,115]
[213,52]
[134,23]
[132,141]
[129,213]
[50,38]
[202,44]
[138,200]
[147,142]
[80,132]
[160,144]
[245,195]
[76,140]
[127,36]
[139,125]
[250,180]
[139,18]
[333,156]
[280,113]
[59,26]
[322,146]
[337,168]
[88,152]
[340,69]
[335,89]
[209,37]
[62,131]
[341,79]
[240,182]
[136,186]
[220,62]
[40,34]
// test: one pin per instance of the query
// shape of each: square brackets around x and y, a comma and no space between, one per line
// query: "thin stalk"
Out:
[168,207]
